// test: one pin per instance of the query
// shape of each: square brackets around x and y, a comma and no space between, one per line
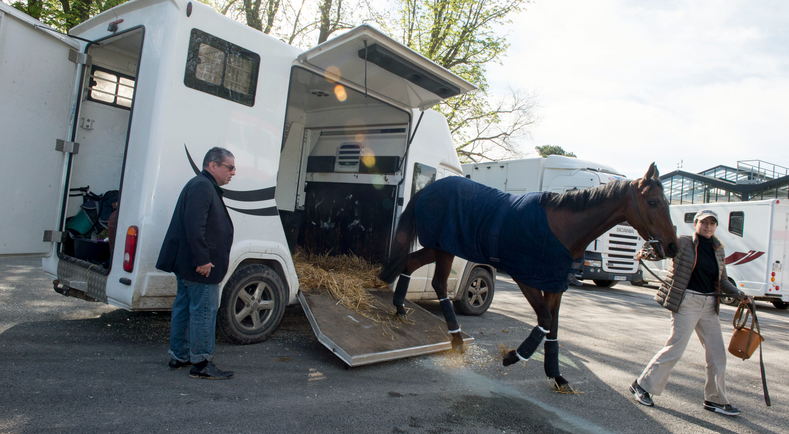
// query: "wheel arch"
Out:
[281,262]
[470,266]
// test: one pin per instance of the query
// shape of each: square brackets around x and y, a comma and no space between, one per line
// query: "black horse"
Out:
[534,238]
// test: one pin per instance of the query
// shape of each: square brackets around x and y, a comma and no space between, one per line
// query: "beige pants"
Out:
[697,312]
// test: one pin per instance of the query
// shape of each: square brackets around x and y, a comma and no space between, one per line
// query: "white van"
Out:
[330,144]
[755,235]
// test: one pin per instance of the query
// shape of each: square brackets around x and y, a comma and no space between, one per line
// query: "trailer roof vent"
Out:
[348,155]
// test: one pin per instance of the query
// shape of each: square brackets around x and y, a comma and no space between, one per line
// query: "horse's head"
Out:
[649,215]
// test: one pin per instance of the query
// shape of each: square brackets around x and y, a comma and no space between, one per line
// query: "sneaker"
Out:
[727,409]
[642,396]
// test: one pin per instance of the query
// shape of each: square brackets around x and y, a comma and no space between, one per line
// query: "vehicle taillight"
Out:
[131,248]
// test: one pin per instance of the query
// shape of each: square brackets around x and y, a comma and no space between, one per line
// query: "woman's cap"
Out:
[701,215]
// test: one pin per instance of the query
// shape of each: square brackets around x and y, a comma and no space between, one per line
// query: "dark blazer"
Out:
[200,232]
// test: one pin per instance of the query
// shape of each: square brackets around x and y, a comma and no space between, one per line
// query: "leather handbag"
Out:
[745,340]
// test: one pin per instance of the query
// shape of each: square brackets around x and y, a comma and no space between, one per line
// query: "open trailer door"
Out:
[37,76]
[379,66]
[385,68]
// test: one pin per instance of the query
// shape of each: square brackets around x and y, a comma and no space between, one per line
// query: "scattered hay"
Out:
[347,279]
[565,389]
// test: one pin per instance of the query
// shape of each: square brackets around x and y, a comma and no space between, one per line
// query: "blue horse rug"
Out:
[487,226]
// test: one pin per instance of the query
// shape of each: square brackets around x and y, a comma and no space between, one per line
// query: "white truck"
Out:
[330,144]
[755,235]
[610,258]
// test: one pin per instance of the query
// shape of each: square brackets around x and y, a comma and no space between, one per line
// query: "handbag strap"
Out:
[754,326]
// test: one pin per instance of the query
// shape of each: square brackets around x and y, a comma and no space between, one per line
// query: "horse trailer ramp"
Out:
[361,341]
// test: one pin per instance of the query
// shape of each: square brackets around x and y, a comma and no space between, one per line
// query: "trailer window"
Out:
[222,69]
[423,175]
[689,216]
[737,222]
[111,88]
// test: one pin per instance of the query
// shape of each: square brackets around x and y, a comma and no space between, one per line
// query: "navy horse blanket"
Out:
[487,226]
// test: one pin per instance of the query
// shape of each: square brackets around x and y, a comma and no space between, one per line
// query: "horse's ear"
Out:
[652,173]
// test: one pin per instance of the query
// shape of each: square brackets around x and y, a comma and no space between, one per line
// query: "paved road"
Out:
[73,366]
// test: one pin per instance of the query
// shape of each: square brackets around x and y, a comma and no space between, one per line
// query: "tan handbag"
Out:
[745,340]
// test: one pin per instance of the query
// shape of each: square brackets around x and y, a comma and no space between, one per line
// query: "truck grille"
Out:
[619,248]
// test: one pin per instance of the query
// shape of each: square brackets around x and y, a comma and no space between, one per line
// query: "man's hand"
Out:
[205,270]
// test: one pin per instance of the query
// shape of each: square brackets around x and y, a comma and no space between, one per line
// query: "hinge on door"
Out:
[54,236]
[67,147]
[80,58]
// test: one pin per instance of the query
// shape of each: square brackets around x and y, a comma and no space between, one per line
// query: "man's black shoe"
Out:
[177,364]
[210,372]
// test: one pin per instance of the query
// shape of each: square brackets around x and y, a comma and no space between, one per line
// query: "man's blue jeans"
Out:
[193,321]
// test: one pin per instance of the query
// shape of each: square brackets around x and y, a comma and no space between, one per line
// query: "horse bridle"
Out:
[651,240]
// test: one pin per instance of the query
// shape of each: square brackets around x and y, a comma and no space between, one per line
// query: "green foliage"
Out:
[64,14]
[547,150]
[464,36]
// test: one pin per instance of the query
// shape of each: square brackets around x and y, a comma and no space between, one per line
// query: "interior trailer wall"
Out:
[341,171]
[101,131]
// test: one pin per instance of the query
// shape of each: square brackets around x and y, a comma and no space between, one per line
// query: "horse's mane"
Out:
[580,200]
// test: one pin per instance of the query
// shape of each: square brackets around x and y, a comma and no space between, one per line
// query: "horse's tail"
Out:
[403,243]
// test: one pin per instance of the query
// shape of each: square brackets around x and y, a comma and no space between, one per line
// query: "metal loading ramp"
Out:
[360,341]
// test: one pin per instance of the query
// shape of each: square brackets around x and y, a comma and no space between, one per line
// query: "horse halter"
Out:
[649,243]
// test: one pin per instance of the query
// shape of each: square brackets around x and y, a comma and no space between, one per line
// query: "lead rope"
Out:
[754,327]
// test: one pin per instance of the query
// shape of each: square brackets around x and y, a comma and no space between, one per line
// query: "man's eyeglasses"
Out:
[229,167]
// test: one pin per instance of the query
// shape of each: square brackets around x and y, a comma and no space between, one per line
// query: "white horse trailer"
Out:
[755,235]
[330,144]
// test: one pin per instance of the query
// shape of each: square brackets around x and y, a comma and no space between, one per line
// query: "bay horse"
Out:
[535,238]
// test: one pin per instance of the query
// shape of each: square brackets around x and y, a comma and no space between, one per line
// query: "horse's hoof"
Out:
[560,385]
[400,310]
[510,358]
[457,343]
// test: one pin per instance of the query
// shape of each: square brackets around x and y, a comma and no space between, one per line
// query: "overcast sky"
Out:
[626,82]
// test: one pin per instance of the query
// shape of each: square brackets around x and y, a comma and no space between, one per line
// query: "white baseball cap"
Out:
[701,215]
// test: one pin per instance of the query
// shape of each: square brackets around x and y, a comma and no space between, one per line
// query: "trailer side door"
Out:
[36,98]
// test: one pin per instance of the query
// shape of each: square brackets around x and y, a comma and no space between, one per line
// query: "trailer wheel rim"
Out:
[254,306]
[477,292]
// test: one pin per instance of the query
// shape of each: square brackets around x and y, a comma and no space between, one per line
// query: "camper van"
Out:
[755,236]
[611,257]
[329,143]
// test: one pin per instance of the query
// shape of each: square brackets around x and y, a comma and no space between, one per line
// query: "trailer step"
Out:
[361,341]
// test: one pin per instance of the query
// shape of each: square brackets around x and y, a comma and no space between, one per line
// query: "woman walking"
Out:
[694,278]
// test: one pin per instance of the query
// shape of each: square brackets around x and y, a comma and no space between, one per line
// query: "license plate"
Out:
[620,277]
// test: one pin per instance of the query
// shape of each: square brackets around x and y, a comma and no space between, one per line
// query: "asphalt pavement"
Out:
[73,366]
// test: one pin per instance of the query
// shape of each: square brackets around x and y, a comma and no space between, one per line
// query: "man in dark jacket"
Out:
[197,249]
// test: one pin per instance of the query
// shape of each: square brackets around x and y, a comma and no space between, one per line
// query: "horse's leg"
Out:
[415,261]
[544,319]
[440,276]
[551,345]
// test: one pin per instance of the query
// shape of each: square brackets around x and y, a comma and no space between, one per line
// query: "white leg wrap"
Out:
[543,330]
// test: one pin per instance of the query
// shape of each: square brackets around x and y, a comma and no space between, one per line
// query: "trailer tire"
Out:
[477,295]
[604,283]
[253,304]
[780,304]
[731,301]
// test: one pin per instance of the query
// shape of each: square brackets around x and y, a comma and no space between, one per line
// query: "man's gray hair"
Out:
[216,155]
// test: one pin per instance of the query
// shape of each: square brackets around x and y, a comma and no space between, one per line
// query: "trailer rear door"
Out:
[36,110]
[392,72]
